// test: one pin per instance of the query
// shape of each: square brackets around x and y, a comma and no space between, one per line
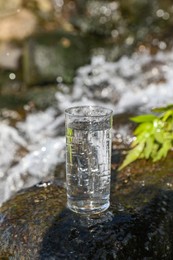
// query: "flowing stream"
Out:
[31,150]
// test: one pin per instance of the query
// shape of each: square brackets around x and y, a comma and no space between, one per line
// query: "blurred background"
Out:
[55,54]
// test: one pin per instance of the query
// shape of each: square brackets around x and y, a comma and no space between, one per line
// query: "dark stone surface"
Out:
[58,54]
[35,224]
[23,225]
[51,55]
[138,20]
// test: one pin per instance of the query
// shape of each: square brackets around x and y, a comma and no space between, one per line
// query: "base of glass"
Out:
[88,209]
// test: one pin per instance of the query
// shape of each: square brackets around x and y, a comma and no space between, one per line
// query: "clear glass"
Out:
[88,158]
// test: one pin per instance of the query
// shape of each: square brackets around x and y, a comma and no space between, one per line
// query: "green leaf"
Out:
[143,118]
[142,137]
[168,126]
[159,136]
[157,123]
[167,114]
[132,155]
[168,136]
[162,151]
[162,109]
[147,126]
[154,150]
[148,147]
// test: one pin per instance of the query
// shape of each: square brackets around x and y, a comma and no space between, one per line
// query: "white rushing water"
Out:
[30,151]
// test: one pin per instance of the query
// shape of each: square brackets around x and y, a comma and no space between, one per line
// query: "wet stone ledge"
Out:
[35,223]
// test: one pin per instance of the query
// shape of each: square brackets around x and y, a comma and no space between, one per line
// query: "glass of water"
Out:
[88,158]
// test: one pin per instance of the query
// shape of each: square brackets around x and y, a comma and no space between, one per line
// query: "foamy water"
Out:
[140,80]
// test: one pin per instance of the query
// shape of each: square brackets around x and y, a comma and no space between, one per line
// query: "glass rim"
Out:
[108,111]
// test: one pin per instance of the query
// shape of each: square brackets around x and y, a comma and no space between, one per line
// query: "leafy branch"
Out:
[153,136]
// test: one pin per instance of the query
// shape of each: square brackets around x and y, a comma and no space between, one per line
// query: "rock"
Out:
[9,7]
[41,98]
[9,56]
[35,224]
[18,26]
[51,55]
[58,54]
[129,24]
[44,195]
[45,6]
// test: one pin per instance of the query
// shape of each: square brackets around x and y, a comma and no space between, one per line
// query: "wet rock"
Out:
[18,26]
[42,195]
[52,55]
[36,224]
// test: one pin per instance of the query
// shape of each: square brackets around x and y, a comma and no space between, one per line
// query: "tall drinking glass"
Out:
[88,158]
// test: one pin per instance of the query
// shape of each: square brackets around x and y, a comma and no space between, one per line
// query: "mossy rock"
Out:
[35,224]
[29,223]
[48,56]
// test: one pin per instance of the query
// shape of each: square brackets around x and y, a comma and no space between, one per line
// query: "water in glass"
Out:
[88,165]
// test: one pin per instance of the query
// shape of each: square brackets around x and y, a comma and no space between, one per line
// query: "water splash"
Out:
[35,166]
[130,82]
[43,151]
[141,80]
[10,141]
